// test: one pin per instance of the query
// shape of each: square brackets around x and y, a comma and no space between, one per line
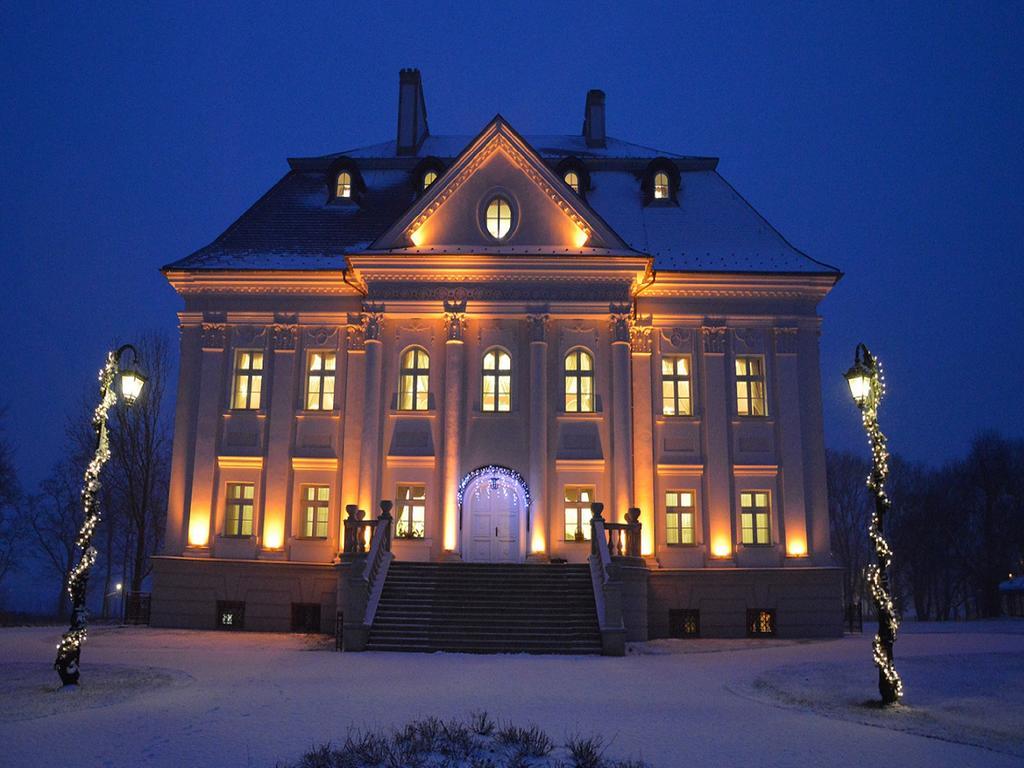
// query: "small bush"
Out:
[586,753]
[481,723]
[530,742]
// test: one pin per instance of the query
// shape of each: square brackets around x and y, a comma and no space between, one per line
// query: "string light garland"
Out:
[70,647]
[494,470]
[867,383]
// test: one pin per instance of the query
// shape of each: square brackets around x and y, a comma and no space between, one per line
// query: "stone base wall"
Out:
[808,602]
[186,591]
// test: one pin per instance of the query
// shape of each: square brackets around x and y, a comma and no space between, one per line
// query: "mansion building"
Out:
[493,333]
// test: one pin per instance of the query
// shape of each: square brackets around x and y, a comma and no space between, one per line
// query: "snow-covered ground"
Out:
[180,698]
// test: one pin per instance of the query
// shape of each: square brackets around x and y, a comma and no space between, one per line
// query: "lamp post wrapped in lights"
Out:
[867,386]
[131,382]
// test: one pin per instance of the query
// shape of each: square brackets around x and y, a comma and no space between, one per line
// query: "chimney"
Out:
[593,119]
[412,112]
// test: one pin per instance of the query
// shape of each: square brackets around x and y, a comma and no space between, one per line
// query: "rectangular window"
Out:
[679,517]
[320,368]
[230,615]
[248,387]
[238,520]
[760,622]
[750,395]
[675,386]
[754,509]
[577,512]
[410,521]
[316,506]
[684,622]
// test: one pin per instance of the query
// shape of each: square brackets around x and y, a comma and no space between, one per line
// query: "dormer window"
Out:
[498,218]
[572,179]
[574,173]
[344,185]
[429,178]
[661,187]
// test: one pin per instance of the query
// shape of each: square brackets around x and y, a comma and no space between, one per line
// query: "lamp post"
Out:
[130,382]
[867,385]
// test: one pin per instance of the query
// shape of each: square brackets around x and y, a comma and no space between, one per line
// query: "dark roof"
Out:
[296,226]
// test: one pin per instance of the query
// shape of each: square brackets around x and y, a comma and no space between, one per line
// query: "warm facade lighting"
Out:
[797,548]
[273,536]
[198,531]
[417,238]
[720,548]
[581,238]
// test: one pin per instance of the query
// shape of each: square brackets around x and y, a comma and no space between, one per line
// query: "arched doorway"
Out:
[493,503]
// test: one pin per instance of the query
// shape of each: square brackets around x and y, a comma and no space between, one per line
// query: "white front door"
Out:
[492,509]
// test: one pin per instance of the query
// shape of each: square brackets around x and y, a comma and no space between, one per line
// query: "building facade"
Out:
[493,332]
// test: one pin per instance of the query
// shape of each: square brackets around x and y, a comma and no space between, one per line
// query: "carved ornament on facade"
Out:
[680,339]
[714,339]
[214,335]
[249,335]
[785,340]
[619,321]
[640,330]
[283,335]
[454,319]
[749,339]
[321,336]
[537,326]
[373,321]
[355,335]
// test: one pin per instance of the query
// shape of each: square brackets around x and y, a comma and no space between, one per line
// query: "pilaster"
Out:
[277,476]
[190,363]
[370,459]
[622,433]
[717,469]
[540,521]
[454,375]
[643,430]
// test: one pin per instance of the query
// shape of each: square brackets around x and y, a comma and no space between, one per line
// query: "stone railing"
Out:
[607,585]
[364,570]
[623,539]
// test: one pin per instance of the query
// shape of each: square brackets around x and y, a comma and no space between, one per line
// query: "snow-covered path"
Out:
[253,699]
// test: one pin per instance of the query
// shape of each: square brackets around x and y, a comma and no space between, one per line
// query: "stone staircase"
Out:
[486,608]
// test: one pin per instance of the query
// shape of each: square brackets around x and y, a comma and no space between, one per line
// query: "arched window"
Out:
[414,381]
[344,187]
[499,217]
[429,178]
[573,180]
[579,381]
[661,187]
[497,380]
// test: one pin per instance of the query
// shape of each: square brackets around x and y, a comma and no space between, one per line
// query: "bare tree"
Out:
[55,515]
[850,515]
[139,469]
[12,522]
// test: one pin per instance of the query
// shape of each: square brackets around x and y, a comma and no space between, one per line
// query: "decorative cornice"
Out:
[302,463]
[240,462]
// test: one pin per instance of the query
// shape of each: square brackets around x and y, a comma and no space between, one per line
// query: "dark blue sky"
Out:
[885,141]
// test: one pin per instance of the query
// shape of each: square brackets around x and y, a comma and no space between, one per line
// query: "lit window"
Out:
[412,511]
[760,622]
[316,501]
[497,381]
[577,512]
[238,517]
[573,180]
[579,382]
[661,186]
[750,397]
[429,178]
[414,383]
[248,387]
[499,218]
[675,386]
[320,368]
[754,509]
[344,187]
[679,517]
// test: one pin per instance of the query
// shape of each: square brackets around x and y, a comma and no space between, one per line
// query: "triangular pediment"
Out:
[546,214]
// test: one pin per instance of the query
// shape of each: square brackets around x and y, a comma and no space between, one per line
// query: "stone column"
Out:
[370,458]
[454,375]
[622,417]
[184,437]
[211,405]
[540,522]
[277,474]
[643,431]
[812,427]
[352,414]
[717,466]
[790,451]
